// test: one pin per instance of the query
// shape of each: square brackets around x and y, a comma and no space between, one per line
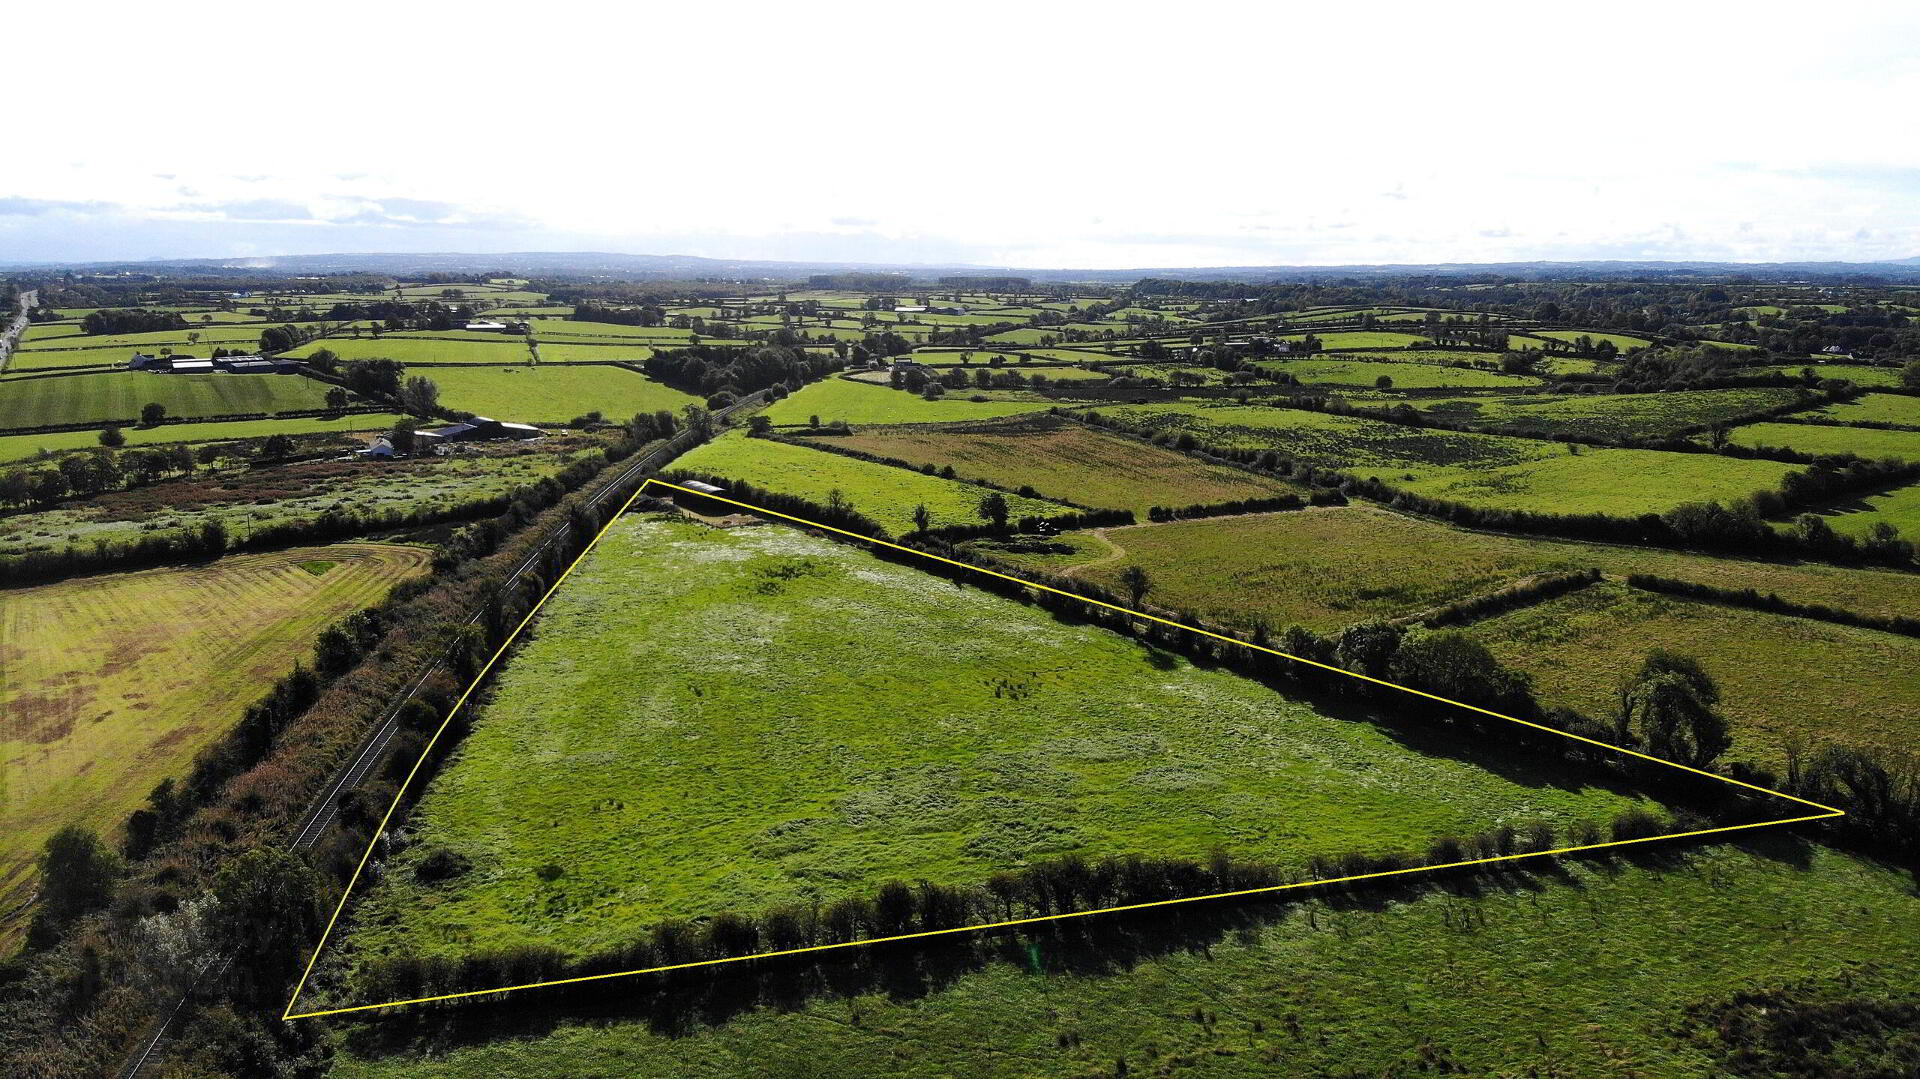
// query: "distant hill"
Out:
[614,264]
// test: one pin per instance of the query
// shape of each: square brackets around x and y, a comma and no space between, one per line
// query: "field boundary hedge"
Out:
[1753,599]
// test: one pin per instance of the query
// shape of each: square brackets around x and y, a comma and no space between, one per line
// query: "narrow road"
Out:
[1115,553]
[10,337]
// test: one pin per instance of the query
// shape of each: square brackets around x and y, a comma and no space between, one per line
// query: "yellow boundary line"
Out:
[1825,813]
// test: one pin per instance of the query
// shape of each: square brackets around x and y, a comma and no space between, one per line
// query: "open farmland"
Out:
[1631,415]
[22,447]
[247,501]
[1331,567]
[1782,680]
[115,682]
[1406,376]
[1486,470]
[1593,971]
[1896,408]
[1362,339]
[1823,438]
[1856,373]
[490,349]
[1859,516]
[120,395]
[1065,460]
[959,733]
[882,492]
[856,402]
[90,349]
[1621,341]
[553,394]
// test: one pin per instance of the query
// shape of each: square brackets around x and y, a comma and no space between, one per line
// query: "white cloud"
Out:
[1110,134]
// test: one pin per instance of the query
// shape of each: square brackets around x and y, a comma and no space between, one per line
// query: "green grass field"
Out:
[1608,415]
[1899,507]
[1362,339]
[114,682]
[22,447]
[1329,568]
[476,348]
[1780,678]
[1872,408]
[882,492]
[1066,460]
[45,352]
[1857,373]
[918,729]
[548,394]
[1487,470]
[1586,975]
[859,403]
[246,501]
[1406,376]
[1820,438]
[1621,341]
[119,396]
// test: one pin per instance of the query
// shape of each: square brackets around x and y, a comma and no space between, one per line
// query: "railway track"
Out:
[325,808]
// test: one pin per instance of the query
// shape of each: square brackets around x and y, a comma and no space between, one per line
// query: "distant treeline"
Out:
[122,320]
[1322,496]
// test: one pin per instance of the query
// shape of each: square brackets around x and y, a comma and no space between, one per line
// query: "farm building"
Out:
[477,429]
[487,327]
[382,447]
[237,365]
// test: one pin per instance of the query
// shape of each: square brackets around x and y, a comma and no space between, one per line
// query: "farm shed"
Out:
[477,429]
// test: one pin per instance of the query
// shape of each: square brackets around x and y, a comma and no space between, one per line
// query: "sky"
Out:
[1055,134]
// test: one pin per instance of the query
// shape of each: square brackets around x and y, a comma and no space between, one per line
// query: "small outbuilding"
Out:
[381,447]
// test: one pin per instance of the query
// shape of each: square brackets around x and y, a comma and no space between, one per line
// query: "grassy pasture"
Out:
[21,447]
[1328,568]
[882,492]
[1026,335]
[1780,678]
[228,335]
[858,403]
[1625,483]
[553,394]
[1585,975]
[604,352]
[1065,460]
[1362,339]
[479,348]
[1621,341]
[114,682]
[1872,408]
[1899,507]
[960,733]
[571,330]
[1488,470]
[1610,415]
[245,501]
[1820,438]
[119,395]
[1860,374]
[1406,376]
[38,332]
